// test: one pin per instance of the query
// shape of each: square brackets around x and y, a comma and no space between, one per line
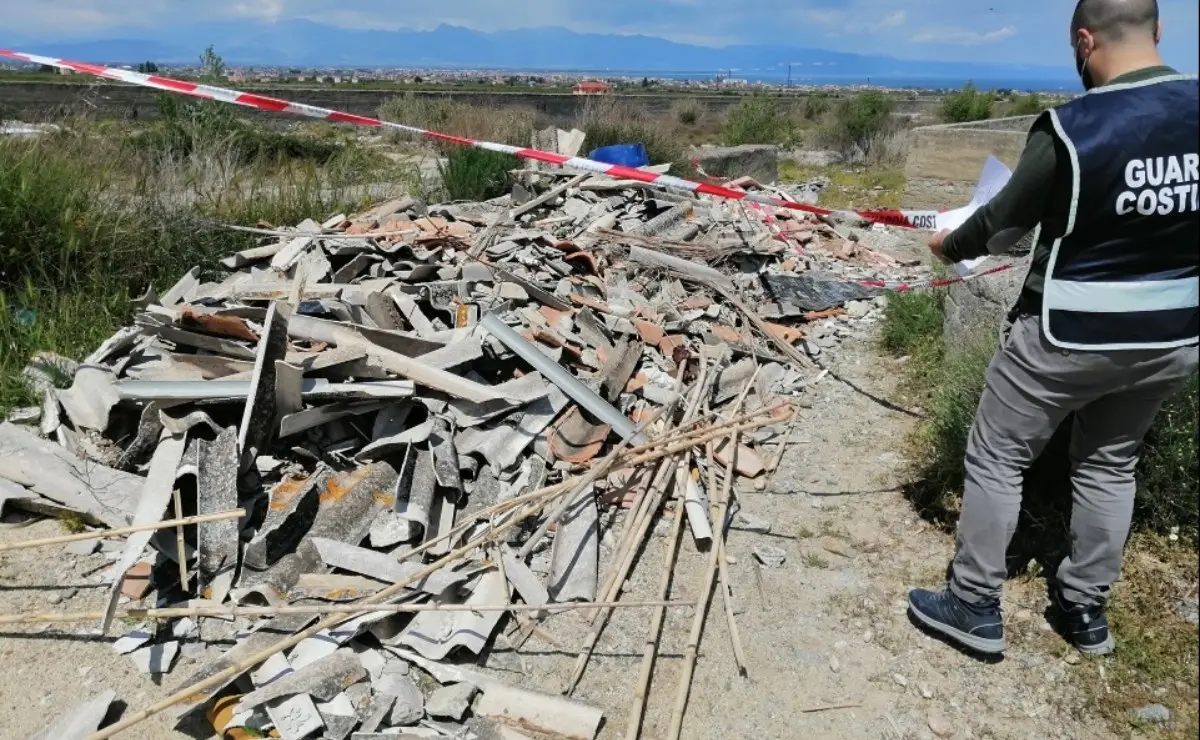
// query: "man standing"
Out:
[1106,325]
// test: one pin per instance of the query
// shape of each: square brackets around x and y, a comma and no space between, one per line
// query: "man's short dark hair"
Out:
[1115,20]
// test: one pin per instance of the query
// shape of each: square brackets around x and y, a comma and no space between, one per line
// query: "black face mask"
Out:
[1085,74]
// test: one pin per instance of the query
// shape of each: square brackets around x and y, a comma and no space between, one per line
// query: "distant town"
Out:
[577,83]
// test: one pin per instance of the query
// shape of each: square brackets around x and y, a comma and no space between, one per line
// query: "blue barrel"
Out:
[630,155]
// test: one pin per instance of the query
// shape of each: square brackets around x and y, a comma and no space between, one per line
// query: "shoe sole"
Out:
[978,644]
[1099,651]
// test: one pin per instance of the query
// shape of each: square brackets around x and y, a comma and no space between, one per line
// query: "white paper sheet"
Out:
[992,180]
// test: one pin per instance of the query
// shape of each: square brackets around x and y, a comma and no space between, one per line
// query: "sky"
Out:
[991,31]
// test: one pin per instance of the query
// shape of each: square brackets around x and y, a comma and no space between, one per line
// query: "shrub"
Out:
[186,126]
[966,105]
[757,119]
[1028,105]
[687,112]
[861,124]
[816,106]
[476,174]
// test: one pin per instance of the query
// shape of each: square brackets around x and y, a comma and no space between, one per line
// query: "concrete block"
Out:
[758,161]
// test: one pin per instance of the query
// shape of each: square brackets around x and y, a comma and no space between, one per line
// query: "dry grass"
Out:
[508,125]
[88,222]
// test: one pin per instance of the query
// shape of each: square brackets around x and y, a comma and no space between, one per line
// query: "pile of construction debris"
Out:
[375,445]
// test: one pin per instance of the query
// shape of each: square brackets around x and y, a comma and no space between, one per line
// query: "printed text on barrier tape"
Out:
[904,219]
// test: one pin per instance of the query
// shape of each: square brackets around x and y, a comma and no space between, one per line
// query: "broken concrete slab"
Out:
[216,492]
[339,716]
[408,703]
[324,680]
[160,483]
[382,567]
[79,722]
[295,717]
[155,659]
[260,414]
[435,634]
[575,560]
[91,398]
[348,504]
[529,711]
[105,494]
[451,702]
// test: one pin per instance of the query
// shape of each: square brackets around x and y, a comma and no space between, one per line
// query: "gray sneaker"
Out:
[979,627]
[1085,627]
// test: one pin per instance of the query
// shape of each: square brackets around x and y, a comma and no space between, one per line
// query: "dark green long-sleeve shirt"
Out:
[1039,192]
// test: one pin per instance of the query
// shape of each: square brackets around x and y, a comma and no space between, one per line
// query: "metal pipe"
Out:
[566,382]
[200,390]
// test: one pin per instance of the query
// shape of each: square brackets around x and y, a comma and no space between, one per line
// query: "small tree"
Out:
[211,64]
[148,68]
[968,104]
[858,121]
[47,69]
[757,120]
[1028,105]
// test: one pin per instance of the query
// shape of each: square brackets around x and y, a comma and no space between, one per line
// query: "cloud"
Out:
[267,10]
[963,36]
[841,22]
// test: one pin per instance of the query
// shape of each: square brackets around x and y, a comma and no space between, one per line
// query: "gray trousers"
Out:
[1031,387]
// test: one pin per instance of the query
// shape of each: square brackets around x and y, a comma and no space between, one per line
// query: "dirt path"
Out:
[827,628]
[830,626]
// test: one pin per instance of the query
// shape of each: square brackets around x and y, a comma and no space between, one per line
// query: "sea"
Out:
[1067,84]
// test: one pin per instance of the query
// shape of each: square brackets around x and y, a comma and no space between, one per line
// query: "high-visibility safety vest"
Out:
[1126,273]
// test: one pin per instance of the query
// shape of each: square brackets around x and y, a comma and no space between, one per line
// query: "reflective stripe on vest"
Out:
[1126,272]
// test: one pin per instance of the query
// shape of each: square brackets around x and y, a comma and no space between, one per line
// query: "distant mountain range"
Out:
[300,43]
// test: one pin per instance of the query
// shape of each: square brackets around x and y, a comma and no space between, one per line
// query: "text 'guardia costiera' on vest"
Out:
[1161,185]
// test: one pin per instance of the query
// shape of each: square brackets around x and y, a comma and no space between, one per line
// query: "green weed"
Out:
[476,174]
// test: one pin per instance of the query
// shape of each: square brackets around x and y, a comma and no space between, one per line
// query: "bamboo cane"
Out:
[637,511]
[773,467]
[739,654]
[180,545]
[735,636]
[651,452]
[218,612]
[103,534]
[706,585]
[623,562]
[634,727]
[546,494]
[635,533]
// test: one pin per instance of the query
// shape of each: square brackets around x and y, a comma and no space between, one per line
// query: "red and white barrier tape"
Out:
[903,219]
[902,287]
